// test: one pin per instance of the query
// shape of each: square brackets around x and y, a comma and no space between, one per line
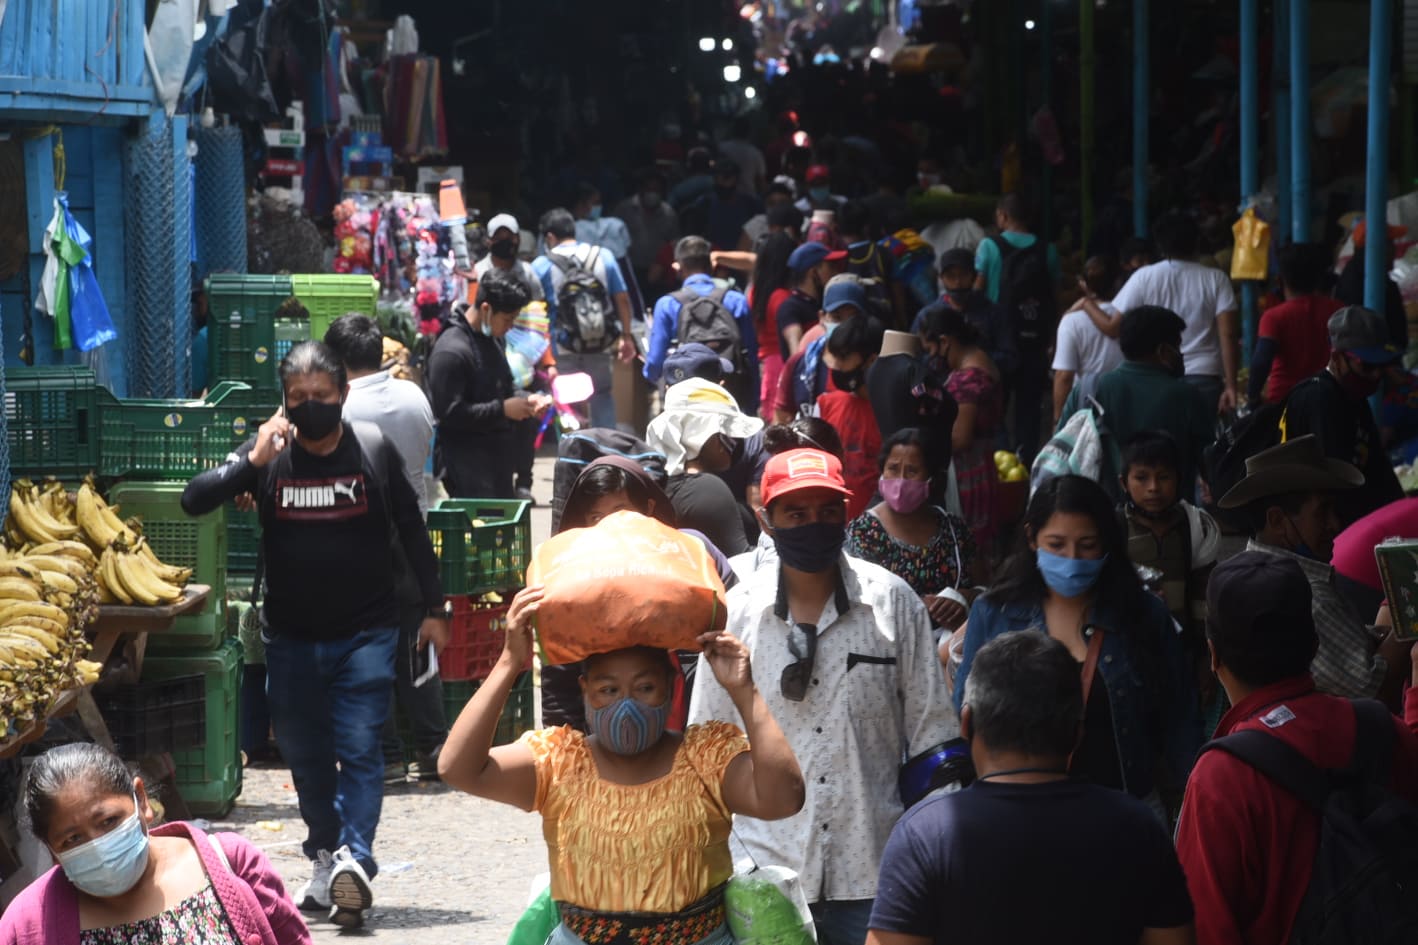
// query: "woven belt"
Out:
[691,925]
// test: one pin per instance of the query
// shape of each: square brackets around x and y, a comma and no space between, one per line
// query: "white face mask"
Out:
[112,864]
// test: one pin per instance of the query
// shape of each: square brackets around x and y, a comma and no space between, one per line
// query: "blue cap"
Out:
[695,360]
[844,293]
[806,256]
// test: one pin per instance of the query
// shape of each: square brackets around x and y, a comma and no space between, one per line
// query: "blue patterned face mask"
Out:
[628,726]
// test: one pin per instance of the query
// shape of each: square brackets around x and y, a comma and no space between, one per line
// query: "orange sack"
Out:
[629,580]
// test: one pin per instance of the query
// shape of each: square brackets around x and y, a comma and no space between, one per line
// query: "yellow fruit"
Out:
[1004,459]
[1017,474]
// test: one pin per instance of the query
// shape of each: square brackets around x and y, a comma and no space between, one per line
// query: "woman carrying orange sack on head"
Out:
[636,819]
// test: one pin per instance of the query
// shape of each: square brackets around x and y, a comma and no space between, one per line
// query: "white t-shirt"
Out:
[1082,348]
[1199,294]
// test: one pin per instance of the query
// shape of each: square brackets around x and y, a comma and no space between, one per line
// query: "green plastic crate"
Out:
[327,297]
[241,327]
[52,416]
[243,531]
[518,716]
[185,542]
[492,556]
[209,778]
[177,439]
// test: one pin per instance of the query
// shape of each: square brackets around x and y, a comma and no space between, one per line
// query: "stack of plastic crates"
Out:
[483,547]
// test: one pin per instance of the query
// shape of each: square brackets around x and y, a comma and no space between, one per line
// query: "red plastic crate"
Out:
[475,641]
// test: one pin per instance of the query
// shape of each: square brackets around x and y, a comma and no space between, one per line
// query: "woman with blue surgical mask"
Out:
[1071,579]
[636,817]
[121,879]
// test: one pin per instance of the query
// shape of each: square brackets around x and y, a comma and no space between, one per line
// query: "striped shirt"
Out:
[1348,662]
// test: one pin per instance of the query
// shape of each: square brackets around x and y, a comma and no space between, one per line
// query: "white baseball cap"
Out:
[503,221]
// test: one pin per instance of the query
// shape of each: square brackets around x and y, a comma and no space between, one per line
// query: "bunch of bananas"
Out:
[129,571]
[47,597]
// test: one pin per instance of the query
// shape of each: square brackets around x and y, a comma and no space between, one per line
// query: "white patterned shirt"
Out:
[877,698]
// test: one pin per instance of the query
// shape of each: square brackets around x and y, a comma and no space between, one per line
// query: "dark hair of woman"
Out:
[803,433]
[770,271]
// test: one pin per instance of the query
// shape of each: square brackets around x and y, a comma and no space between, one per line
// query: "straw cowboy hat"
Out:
[1297,465]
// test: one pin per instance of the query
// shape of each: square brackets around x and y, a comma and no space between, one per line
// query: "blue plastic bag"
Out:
[92,324]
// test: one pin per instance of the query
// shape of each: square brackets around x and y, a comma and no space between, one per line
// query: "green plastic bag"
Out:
[537,923]
[766,906]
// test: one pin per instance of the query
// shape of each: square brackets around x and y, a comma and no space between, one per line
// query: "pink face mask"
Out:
[904,495]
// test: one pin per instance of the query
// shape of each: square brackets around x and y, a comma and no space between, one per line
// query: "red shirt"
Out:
[768,328]
[1354,548]
[1246,844]
[785,402]
[855,423]
[1300,330]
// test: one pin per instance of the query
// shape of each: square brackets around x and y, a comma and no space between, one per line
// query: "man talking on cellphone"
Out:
[332,498]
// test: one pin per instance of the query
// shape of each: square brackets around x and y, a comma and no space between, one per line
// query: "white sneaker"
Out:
[314,896]
[349,890]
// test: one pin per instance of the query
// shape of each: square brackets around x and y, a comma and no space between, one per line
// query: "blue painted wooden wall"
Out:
[96,181]
[74,60]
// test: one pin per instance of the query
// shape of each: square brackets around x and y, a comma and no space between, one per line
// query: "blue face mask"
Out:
[820,194]
[628,726]
[594,213]
[112,864]
[1069,577]
[1302,547]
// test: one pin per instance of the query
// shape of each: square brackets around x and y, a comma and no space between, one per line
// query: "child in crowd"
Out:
[1168,534]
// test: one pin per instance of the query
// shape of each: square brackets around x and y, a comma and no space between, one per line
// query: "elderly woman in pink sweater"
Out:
[119,880]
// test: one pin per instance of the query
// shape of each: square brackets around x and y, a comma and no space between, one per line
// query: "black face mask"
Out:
[314,419]
[503,249]
[848,381]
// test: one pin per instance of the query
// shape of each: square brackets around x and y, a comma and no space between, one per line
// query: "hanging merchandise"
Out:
[236,69]
[454,216]
[1251,259]
[69,291]
[168,45]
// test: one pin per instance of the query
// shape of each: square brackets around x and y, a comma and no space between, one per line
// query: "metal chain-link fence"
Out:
[159,234]
[220,202]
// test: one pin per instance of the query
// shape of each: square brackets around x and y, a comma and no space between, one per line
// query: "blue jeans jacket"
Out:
[1162,721]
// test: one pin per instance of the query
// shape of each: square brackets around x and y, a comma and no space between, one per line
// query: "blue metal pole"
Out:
[1140,112]
[1250,148]
[1300,120]
[1376,185]
[1281,111]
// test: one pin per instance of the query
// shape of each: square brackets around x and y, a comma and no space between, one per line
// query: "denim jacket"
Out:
[1147,725]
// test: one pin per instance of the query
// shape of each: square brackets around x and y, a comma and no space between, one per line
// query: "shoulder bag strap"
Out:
[221,854]
[1090,662]
[1277,761]
[1373,741]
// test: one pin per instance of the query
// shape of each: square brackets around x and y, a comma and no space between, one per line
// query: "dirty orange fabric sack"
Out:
[629,580]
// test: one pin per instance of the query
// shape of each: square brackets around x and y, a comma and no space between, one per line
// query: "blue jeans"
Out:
[599,366]
[328,704]
[841,921]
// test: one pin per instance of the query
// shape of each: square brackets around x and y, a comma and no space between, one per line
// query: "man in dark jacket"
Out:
[1333,405]
[474,400]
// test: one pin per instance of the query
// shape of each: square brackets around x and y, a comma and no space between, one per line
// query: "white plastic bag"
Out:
[767,906]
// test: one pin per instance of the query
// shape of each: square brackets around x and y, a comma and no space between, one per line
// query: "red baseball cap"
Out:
[818,172]
[796,470]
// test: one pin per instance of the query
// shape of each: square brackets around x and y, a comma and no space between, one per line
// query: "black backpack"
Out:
[586,321]
[1223,463]
[1026,292]
[706,320]
[1366,869]
[578,450]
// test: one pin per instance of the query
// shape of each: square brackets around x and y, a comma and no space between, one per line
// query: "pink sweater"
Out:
[47,911]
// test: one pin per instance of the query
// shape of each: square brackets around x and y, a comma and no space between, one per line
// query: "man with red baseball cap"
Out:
[844,652]
[819,191]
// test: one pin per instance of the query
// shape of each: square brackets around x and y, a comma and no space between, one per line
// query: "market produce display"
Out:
[62,556]
[1009,467]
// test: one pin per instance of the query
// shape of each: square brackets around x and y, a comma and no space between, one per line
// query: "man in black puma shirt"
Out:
[332,499]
